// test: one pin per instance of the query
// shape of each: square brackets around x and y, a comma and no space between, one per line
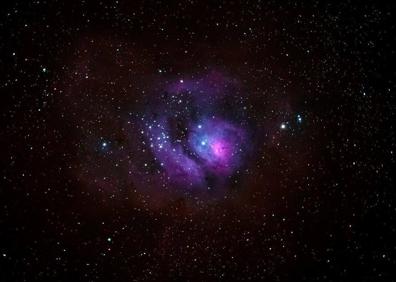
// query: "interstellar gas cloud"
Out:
[165,134]
[189,139]
[198,146]
[197,141]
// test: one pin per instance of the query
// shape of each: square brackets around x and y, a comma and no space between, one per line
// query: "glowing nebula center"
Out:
[193,146]
[218,144]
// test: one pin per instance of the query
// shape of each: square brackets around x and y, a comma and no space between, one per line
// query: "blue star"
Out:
[299,118]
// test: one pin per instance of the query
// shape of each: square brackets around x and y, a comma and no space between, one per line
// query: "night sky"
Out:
[197,141]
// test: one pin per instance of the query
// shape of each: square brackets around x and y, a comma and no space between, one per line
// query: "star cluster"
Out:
[197,141]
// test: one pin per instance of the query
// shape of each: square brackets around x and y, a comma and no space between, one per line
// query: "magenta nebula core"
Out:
[195,147]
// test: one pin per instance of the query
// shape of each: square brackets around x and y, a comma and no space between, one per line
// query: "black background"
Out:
[319,207]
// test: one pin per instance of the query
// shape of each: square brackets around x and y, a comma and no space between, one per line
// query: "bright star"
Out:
[299,118]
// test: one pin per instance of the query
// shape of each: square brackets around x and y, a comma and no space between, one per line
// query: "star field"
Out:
[197,141]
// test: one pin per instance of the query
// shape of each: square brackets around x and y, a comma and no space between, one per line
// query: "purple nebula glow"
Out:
[190,145]
[218,144]
[213,147]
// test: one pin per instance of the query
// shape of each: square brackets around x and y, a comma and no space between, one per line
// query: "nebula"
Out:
[198,141]
[159,135]
[195,147]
